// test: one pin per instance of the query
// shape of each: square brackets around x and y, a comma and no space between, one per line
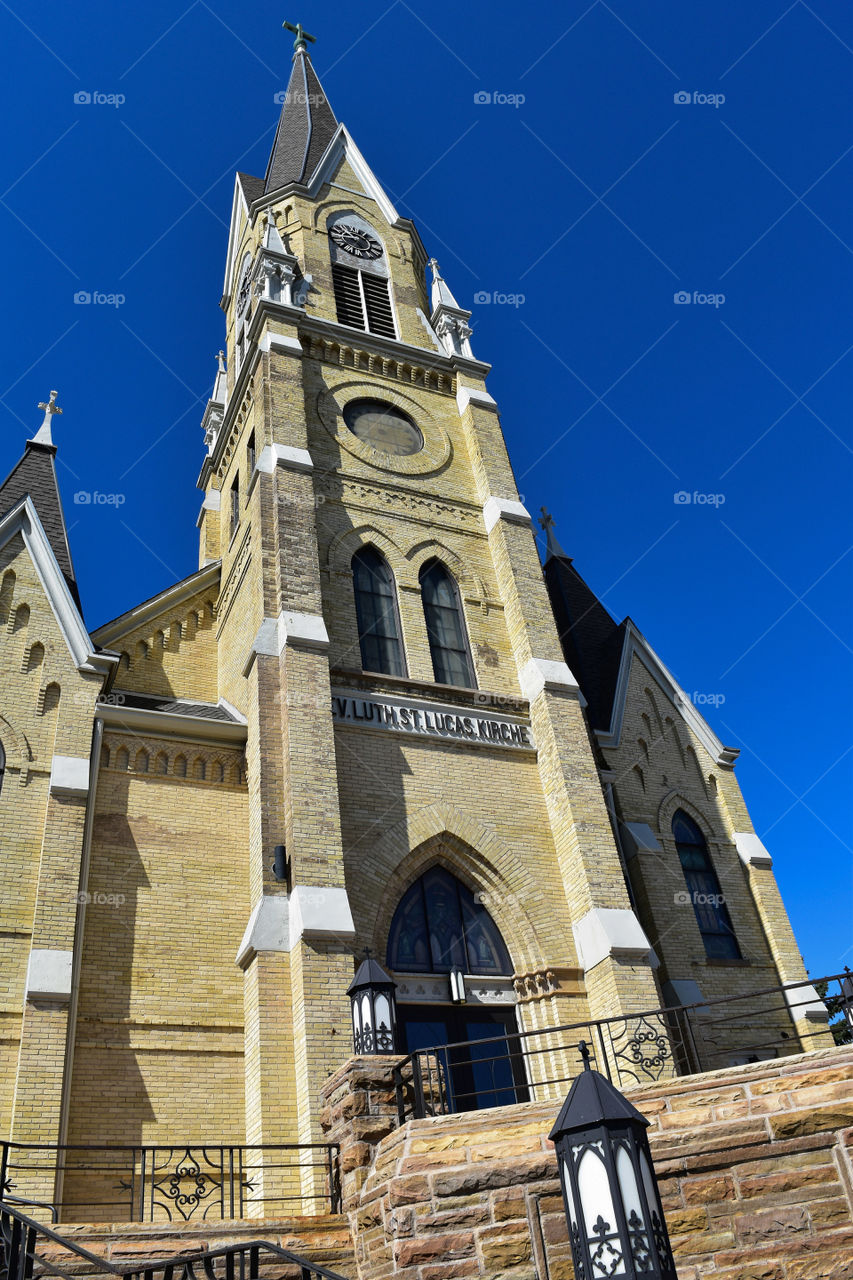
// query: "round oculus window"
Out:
[383,426]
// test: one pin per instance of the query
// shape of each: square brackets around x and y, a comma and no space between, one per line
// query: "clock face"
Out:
[361,244]
[383,426]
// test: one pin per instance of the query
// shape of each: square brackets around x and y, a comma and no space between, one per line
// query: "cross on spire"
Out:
[553,547]
[43,435]
[301,35]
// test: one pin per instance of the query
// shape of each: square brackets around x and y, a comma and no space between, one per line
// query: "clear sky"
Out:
[627,153]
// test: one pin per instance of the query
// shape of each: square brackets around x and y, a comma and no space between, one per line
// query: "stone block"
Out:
[433,1248]
[757,1228]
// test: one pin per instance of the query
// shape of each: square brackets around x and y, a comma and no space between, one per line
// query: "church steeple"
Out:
[34,476]
[306,126]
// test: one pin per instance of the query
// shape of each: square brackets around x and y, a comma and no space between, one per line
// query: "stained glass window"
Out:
[376,609]
[439,925]
[706,895]
[448,643]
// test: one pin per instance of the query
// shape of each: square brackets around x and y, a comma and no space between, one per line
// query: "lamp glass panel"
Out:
[602,1230]
[367,1020]
[382,1009]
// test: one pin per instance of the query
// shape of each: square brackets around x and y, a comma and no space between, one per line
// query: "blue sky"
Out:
[583,195]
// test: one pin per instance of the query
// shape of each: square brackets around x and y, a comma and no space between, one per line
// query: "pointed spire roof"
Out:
[305,128]
[35,476]
[591,639]
[440,293]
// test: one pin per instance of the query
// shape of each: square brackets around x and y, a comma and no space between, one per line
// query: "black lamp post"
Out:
[374,1008]
[616,1223]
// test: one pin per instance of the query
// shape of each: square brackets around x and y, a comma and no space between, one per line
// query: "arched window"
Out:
[712,914]
[360,276]
[448,642]
[439,925]
[376,609]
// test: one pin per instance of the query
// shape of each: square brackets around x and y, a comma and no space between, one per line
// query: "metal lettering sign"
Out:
[429,721]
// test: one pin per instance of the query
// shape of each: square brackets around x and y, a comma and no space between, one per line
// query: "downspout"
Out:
[77,958]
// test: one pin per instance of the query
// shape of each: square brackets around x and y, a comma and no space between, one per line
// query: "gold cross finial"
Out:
[50,407]
[301,35]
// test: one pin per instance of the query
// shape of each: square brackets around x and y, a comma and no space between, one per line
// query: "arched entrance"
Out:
[454,987]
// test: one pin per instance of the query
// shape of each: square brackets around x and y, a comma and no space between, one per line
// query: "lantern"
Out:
[374,1009]
[616,1223]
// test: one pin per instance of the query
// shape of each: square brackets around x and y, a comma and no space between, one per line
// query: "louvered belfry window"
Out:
[363,301]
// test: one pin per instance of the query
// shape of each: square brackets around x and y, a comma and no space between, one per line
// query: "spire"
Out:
[553,547]
[307,123]
[34,476]
[440,295]
[220,381]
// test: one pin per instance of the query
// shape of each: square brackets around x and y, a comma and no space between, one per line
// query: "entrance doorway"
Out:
[441,928]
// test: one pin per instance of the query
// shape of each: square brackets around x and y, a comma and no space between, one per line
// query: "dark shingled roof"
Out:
[35,475]
[253,188]
[175,707]
[592,641]
[305,128]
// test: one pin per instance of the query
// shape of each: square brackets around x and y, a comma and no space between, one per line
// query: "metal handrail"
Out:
[669,1014]
[149,1176]
[17,1229]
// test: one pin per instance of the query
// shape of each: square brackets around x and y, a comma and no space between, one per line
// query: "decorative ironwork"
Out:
[605,1260]
[681,1040]
[150,1184]
[633,1057]
[640,1241]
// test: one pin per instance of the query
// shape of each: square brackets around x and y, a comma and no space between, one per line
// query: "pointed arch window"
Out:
[360,276]
[706,895]
[440,925]
[448,638]
[376,611]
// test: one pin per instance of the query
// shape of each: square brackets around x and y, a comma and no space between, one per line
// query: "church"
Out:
[369,719]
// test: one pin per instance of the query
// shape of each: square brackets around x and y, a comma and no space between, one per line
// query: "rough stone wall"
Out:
[754,1165]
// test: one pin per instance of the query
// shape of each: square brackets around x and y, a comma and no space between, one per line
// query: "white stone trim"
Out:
[639,838]
[24,519]
[232,710]
[69,776]
[305,630]
[280,342]
[804,1002]
[495,509]
[610,931]
[187,728]
[283,455]
[751,849]
[212,500]
[204,578]
[343,147]
[317,911]
[49,974]
[478,396]
[637,644]
[268,929]
[542,673]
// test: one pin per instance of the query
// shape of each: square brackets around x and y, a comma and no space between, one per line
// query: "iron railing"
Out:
[639,1048]
[85,1183]
[29,1250]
